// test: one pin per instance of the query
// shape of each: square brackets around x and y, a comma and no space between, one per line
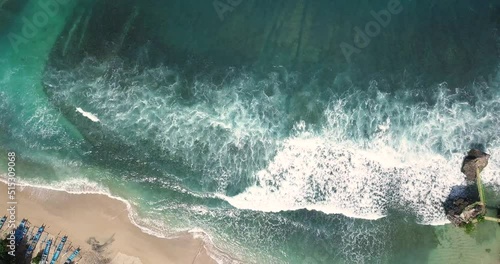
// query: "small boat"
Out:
[2,221]
[58,250]
[73,256]
[46,252]
[34,241]
[21,231]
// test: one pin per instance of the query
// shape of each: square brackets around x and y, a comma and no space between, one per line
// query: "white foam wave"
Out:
[399,166]
[335,178]
[88,115]
[374,151]
[225,131]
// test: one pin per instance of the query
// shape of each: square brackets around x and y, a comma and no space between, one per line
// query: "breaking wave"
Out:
[382,154]
[370,152]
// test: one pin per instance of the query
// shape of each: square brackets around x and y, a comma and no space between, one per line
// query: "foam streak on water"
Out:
[88,115]
[224,131]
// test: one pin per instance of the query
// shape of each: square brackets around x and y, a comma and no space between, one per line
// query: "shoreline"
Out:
[105,220]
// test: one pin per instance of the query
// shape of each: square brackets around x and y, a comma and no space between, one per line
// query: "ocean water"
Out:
[269,161]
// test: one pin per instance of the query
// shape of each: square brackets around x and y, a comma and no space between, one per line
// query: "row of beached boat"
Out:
[21,234]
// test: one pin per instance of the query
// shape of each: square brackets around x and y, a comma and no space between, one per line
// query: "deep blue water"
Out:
[257,126]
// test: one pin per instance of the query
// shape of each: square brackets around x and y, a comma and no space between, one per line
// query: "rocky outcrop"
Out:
[464,211]
[469,206]
[474,163]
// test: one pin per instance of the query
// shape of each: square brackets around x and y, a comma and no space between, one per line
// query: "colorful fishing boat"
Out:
[34,241]
[46,252]
[58,250]
[72,257]
[21,231]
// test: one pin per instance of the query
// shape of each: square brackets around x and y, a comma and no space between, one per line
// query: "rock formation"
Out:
[464,211]
[470,207]
[474,162]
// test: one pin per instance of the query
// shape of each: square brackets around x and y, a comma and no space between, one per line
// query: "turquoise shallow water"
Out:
[276,161]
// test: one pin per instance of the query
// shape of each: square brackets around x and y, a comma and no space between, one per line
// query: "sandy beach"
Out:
[103,221]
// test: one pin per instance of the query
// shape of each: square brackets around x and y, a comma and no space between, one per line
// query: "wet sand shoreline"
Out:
[100,220]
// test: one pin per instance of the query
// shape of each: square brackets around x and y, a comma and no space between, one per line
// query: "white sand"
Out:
[82,216]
